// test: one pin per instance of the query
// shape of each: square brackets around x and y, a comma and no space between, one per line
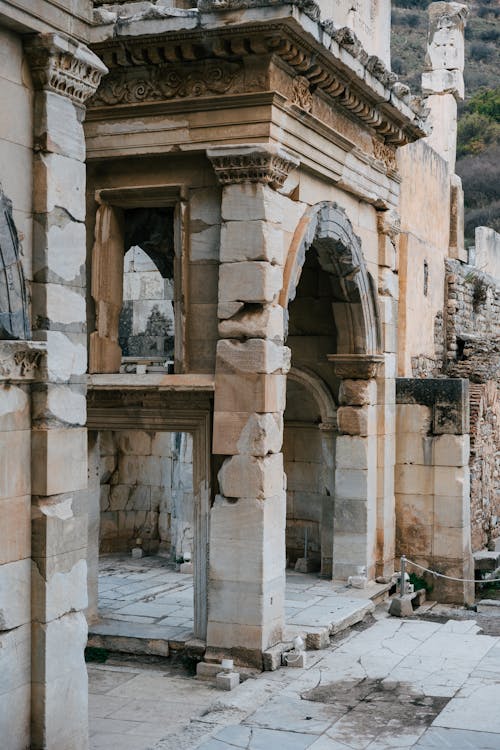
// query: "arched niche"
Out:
[327,227]
[14,317]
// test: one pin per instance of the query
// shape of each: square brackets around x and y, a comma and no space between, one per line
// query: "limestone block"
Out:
[15,648]
[14,408]
[228,309]
[413,418]
[247,640]
[255,281]
[15,475]
[243,433]
[246,603]
[55,305]
[247,476]
[387,253]
[353,452]
[358,392]
[349,515]
[251,240]
[443,82]
[58,126]
[249,392]
[414,479]
[205,244]
[268,322]
[55,529]
[390,337]
[452,481]
[451,511]
[135,442]
[59,182]
[415,510]
[227,680]
[251,201]
[161,444]
[66,355]
[252,356]
[56,592]
[205,206]
[414,448]
[15,594]
[58,460]
[451,542]
[351,483]
[264,559]
[15,528]
[388,283]
[61,403]
[59,249]
[60,723]
[104,498]
[15,717]
[356,420]
[451,450]
[247,521]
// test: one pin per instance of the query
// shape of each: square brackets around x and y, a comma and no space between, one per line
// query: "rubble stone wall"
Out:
[146,491]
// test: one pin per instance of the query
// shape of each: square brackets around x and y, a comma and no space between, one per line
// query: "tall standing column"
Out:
[65,74]
[247,524]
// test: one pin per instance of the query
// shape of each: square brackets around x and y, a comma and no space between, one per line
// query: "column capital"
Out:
[267,163]
[389,223]
[356,366]
[64,66]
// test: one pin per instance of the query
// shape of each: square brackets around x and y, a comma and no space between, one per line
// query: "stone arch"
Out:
[327,227]
[14,317]
[321,393]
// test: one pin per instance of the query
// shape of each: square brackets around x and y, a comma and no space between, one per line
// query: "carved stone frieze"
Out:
[265,163]
[64,67]
[301,93]
[165,82]
[20,359]
[385,153]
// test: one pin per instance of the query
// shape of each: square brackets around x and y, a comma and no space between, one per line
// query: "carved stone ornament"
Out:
[165,82]
[64,67]
[261,162]
[20,359]
[356,366]
[301,94]
[389,223]
[384,153]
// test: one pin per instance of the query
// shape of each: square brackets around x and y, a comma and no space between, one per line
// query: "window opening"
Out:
[146,331]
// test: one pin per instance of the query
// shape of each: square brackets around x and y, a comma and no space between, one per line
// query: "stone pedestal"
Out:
[64,75]
[247,527]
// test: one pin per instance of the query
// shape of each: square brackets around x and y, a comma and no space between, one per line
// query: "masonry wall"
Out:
[146,492]
[16,158]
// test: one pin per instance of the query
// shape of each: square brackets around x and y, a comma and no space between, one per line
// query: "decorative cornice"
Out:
[309,7]
[20,359]
[260,162]
[65,67]
[356,366]
[333,69]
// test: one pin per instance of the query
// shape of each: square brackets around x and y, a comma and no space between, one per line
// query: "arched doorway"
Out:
[334,334]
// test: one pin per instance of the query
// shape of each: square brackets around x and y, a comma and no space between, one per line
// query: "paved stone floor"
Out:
[146,598]
[394,684]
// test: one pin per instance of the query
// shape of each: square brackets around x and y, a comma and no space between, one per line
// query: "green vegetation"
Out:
[478,148]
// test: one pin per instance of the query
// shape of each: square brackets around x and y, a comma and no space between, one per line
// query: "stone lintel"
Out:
[64,66]
[356,366]
[267,163]
[19,360]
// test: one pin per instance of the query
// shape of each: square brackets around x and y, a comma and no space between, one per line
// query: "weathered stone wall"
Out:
[432,482]
[146,492]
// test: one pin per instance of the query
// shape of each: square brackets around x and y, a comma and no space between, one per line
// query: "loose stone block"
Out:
[15,594]
[251,240]
[227,680]
[247,476]
[252,356]
[249,282]
[58,460]
[358,392]
[265,323]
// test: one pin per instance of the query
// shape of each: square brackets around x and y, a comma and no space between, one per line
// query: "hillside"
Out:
[478,152]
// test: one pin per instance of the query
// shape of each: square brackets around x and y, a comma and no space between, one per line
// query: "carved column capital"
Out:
[389,223]
[356,366]
[64,67]
[19,360]
[266,163]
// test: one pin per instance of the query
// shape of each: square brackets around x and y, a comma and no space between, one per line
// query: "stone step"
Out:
[487,560]
[136,638]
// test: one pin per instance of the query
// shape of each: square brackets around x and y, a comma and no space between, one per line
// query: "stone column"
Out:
[65,74]
[355,509]
[442,79]
[247,526]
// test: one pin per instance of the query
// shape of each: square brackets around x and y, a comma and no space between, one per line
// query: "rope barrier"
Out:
[451,578]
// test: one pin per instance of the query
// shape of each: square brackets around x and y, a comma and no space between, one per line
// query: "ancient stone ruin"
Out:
[239,327]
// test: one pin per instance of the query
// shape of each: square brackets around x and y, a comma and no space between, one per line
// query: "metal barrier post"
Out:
[403,575]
